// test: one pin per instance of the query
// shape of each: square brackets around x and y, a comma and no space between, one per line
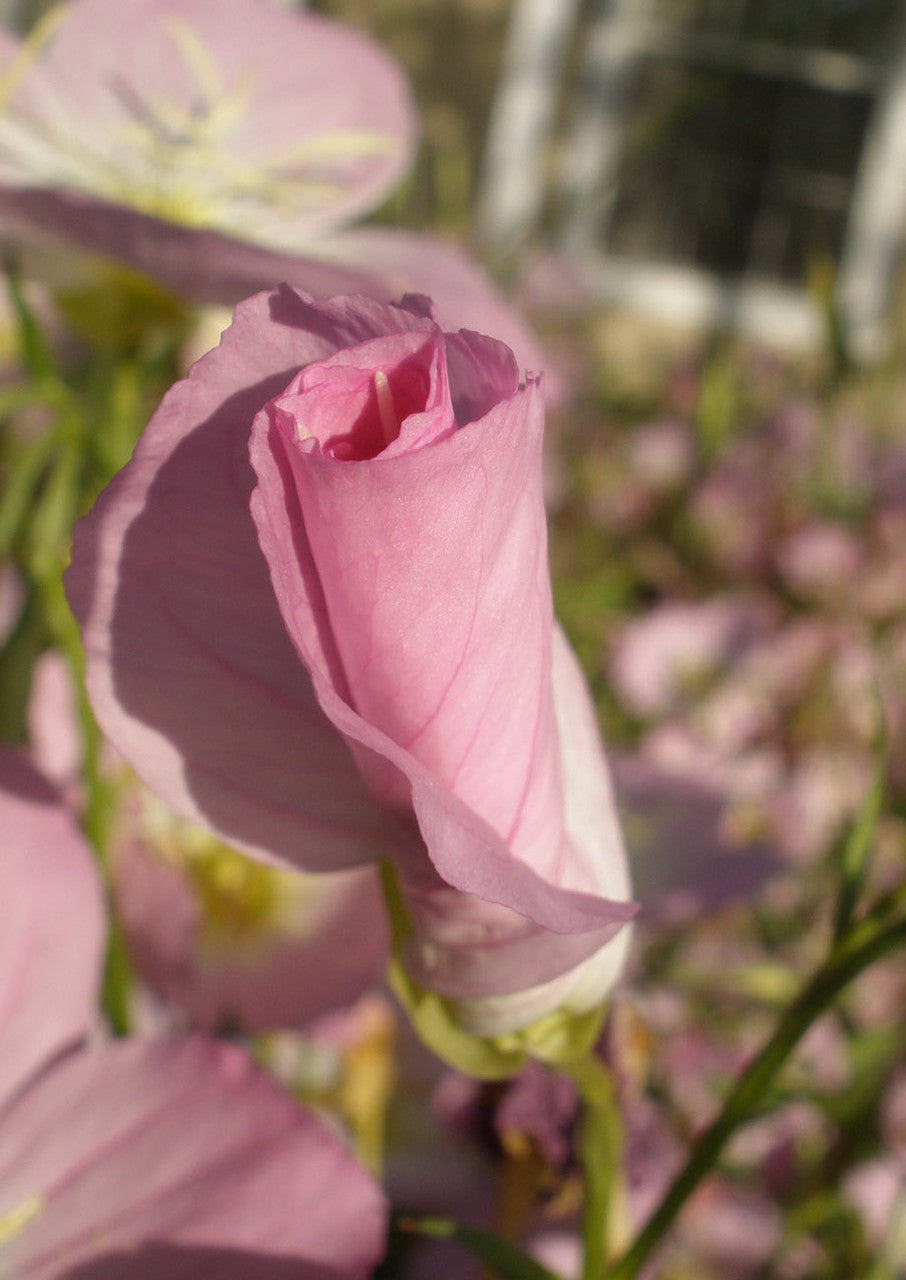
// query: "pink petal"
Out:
[684,863]
[10,45]
[53,926]
[206,266]
[327,945]
[463,294]
[184,1144]
[53,724]
[423,557]
[498,965]
[430,552]
[190,669]
[254,82]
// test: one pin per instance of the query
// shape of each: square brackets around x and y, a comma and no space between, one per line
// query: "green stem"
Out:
[504,1259]
[865,944]
[117,979]
[65,633]
[601,1154]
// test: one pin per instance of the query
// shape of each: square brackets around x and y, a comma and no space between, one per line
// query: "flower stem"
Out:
[601,1154]
[117,978]
[506,1261]
[864,944]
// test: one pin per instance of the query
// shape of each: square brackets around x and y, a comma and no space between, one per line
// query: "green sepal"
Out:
[558,1038]
[434,1018]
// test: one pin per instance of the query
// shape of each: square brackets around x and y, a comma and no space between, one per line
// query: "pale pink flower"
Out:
[672,653]
[348,653]
[821,561]
[134,1159]
[268,126]
[661,454]
[223,146]
[729,513]
[53,725]
[53,924]
[877,1190]
[235,944]
[683,859]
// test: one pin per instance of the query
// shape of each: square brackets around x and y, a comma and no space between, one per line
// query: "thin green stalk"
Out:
[601,1155]
[117,979]
[19,486]
[504,1259]
[65,633]
[855,853]
[865,944]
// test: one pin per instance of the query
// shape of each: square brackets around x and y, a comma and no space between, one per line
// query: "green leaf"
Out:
[54,515]
[508,1262]
[18,655]
[36,353]
[854,855]
[19,486]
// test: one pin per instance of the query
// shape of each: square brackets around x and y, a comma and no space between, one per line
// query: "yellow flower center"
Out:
[174,161]
[16,1220]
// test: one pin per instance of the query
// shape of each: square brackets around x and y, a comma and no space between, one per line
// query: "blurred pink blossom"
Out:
[53,727]
[168,111]
[52,937]
[661,454]
[235,944]
[820,561]
[137,1159]
[222,146]
[684,861]
[664,657]
[227,941]
[729,514]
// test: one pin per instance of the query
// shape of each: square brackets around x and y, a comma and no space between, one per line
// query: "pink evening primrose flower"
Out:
[223,146]
[135,1160]
[233,943]
[317,615]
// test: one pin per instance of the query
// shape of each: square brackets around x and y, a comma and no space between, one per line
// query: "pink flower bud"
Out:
[346,653]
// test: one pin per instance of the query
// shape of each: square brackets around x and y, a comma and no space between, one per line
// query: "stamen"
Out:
[390,428]
[29,49]
[16,1220]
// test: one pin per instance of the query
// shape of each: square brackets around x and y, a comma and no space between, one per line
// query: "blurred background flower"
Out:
[223,149]
[236,945]
[118,1159]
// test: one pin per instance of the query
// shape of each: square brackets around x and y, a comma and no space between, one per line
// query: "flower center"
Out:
[390,427]
[385,394]
[177,157]
[16,1220]
[241,901]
